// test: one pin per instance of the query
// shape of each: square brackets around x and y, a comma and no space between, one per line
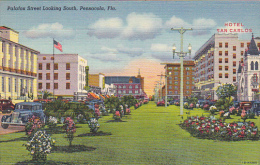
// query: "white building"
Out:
[217,62]
[249,73]
[18,66]
[63,75]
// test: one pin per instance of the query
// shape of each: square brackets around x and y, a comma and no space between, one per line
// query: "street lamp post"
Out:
[181,54]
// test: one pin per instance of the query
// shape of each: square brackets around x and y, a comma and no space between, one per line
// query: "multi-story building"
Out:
[217,62]
[125,85]
[248,74]
[64,75]
[96,83]
[18,66]
[173,72]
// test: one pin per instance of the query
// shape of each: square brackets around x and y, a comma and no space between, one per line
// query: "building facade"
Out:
[173,70]
[64,75]
[18,67]
[217,62]
[249,73]
[125,85]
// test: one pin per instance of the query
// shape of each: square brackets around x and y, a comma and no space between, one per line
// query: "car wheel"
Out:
[5,126]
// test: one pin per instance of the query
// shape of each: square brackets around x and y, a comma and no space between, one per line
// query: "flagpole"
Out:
[53,69]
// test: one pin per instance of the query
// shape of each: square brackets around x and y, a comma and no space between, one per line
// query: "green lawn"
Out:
[150,135]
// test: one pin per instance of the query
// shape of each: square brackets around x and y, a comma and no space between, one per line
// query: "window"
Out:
[220,68]
[15,85]
[52,58]
[124,91]
[176,92]
[226,68]
[187,87]
[124,86]
[252,65]
[256,65]
[226,75]
[226,53]
[242,60]
[234,48]
[234,71]
[40,66]
[175,73]
[226,44]
[130,87]
[9,84]
[176,82]
[55,85]
[48,66]
[234,63]
[234,56]
[170,87]
[44,58]
[48,77]
[67,76]
[188,78]
[226,60]
[220,44]
[248,44]
[242,53]
[169,68]
[67,85]
[234,79]
[119,86]
[187,82]
[175,68]
[187,73]
[136,86]
[220,53]
[56,66]
[175,78]
[170,82]
[48,85]
[220,60]
[220,75]
[176,87]
[130,92]
[56,76]
[136,91]
[39,85]
[40,76]
[67,66]
[241,44]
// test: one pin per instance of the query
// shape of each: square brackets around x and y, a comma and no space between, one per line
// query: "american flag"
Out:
[57,45]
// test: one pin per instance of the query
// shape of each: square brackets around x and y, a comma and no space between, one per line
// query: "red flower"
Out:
[252,124]
[243,127]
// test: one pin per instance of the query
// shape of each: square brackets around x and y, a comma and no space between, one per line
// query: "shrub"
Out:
[117,115]
[40,145]
[70,129]
[33,125]
[93,125]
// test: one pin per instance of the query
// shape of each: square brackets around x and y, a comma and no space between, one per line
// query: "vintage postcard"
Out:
[129,82]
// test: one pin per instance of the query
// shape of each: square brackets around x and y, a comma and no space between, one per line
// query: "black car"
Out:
[255,108]
[22,113]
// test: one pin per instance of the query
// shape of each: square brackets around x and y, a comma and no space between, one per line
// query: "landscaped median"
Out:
[150,135]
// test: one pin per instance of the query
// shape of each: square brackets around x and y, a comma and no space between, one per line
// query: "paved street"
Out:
[10,129]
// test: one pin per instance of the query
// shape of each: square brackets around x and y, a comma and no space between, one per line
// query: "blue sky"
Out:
[111,40]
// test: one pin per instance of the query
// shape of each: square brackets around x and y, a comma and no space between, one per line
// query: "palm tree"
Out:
[45,94]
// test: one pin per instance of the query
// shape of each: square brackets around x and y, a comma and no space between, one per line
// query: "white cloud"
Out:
[200,26]
[104,56]
[55,30]
[137,27]
[161,52]
[142,26]
[132,52]
[106,28]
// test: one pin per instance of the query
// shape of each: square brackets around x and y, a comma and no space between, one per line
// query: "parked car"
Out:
[255,108]
[22,113]
[6,105]
[246,105]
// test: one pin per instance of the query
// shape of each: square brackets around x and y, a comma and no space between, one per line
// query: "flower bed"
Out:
[216,129]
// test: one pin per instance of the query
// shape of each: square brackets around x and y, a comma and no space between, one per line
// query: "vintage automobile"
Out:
[245,105]
[6,106]
[22,113]
[255,108]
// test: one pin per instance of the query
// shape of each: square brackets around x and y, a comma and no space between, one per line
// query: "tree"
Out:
[225,93]
[45,94]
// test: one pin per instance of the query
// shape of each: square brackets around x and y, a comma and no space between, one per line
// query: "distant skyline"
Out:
[118,38]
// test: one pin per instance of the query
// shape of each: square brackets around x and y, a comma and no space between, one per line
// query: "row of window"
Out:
[56,86]
[9,83]
[124,86]
[176,92]
[177,87]
[129,92]
[242,45]
[177,82]
[187,73]
[56,76]
[178,68]
[185,78]
[56,66]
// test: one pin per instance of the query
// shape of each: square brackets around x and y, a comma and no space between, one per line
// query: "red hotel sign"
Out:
[234,28]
